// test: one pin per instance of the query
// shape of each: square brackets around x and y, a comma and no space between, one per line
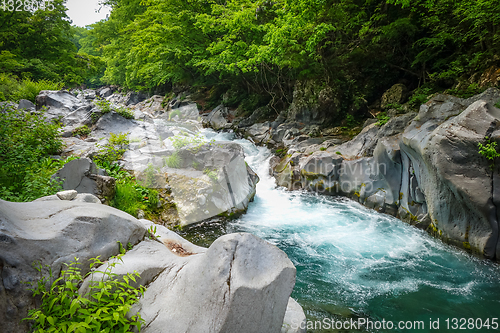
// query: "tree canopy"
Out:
[260,47]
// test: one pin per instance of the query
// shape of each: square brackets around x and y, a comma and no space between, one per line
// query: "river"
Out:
[353,262]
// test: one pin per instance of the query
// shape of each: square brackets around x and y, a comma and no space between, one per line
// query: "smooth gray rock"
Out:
[260,114]
[295,318]
[425,169]
[60,99]
[221,183]
[53,233]
[106,92]
[67,195]
[82,176]
[446,169]
[240,284]
[24,104]
[217,117]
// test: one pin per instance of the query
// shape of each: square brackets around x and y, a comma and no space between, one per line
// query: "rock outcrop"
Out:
[239,284]
[206,179]
[424,169]
[83,176]
[53,232]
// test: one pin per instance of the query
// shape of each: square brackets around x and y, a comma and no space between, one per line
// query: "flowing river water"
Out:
[355,263]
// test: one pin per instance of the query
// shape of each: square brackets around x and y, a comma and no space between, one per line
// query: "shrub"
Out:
[102,309]
[14,90]
[212,174]
[174,161]
[103,105]
[489,150]
[113,150]
[131,198]
[26,142]
[30,89]
[383,118]
[125,113]
[81,131]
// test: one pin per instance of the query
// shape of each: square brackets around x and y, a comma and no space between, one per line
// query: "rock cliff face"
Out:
[425,169]
[239,284]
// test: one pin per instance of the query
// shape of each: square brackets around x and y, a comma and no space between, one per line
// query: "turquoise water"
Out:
[355,263]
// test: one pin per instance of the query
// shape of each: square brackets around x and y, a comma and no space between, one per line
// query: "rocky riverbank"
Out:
[239,284]
[424,168]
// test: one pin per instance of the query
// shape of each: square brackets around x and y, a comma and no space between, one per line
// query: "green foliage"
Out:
[130,197]
[37,45]
[102,309]
[489,151]
[26,142]
[81,131]
[194,143]
[12,89]
[152,233]
[258,49]
[421,96]
[471,90]
[322,148]
[103,105]
[383,118]
[113,150]
[195,165]
[174,161]
[212,174]
[351,121]
[497,104]
[125,112]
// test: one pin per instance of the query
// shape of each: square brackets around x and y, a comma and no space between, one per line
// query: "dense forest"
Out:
[258,50]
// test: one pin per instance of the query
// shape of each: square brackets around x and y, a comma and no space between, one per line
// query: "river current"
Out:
[354,263]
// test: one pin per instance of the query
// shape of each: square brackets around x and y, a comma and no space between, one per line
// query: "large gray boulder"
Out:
[24,104]
[295,319]
[65,108]
[213,180]
[53,233]
[239,284]
[83,176]
[216,119]
[394,95]
[448,178]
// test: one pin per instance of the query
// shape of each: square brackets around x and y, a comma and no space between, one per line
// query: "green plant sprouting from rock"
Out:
[383,118]
[212,174]
[174,161]
[489,150]
[83,130]
[103,308]
[114,149]
[105,106]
